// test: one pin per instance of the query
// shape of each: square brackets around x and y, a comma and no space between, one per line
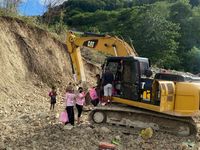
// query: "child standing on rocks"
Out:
[80,101]
[53,95]
[94,96]
[69,101]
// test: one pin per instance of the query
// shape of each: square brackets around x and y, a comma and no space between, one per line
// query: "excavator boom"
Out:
[110,45]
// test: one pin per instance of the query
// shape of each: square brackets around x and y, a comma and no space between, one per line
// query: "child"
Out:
[94,97]
[53,95]
[80,100]
[69,99]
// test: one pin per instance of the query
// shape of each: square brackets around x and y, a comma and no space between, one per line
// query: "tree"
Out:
[152,34]
[194,2]
[189,22]
[164,31]
[10,5]
[192,62]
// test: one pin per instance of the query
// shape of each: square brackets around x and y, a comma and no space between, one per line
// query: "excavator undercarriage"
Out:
[132,117]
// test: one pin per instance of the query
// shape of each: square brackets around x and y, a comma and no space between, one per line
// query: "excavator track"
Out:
[131,117]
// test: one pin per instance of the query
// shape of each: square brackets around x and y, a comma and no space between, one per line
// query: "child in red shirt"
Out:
[53,95]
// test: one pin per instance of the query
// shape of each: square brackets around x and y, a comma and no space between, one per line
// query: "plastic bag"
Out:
[63,117]
[146,133]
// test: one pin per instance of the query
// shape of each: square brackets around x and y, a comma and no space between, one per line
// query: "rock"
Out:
[57,115]
[146,146]
[88,129]
[54,136]
[105,130]
[68,127]
[37,123]
[118,138]
[139,140]
[42,115]
[42,133]
[183,146]
[2,145]
[9,128]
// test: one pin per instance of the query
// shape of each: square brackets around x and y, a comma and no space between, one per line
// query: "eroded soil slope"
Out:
[30,59]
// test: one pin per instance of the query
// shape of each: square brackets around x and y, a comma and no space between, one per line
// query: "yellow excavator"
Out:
[166,102]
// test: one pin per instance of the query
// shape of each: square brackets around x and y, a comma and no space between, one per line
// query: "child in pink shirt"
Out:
[69,101]
[94,97]
[80,101]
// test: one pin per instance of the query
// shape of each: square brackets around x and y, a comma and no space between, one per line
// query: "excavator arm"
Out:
[110,45]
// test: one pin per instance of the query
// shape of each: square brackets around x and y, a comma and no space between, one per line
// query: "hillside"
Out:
[165,31]
[29,57]
[31,61]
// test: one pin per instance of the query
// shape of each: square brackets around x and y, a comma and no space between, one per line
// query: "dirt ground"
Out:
[31,60]
[31,125]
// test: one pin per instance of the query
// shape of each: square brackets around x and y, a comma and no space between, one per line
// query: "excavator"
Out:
[166,102]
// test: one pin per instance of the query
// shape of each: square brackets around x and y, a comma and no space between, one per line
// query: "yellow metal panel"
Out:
[146,95]
[187,98]
[167,96]
[186,104]
[137,104]
[105,45]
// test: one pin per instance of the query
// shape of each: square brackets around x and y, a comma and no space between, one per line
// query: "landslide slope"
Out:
[31,60]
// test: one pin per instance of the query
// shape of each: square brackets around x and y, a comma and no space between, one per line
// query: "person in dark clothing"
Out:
[108,79]
[118,78]
[98,78]
[99,87]
[53,95]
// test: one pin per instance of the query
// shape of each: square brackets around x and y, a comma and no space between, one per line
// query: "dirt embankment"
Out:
[29,55]
[31,60]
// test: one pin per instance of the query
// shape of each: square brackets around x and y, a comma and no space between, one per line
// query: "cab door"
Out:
[130,79]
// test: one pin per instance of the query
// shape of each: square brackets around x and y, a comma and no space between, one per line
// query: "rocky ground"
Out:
[29,124]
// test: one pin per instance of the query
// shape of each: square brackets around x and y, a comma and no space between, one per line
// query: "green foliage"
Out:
[152,34]
[195,2]
[192,62]
[166,31]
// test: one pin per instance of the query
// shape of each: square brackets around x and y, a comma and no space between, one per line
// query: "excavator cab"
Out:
[128,74]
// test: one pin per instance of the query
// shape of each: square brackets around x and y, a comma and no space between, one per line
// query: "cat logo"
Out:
[90,43]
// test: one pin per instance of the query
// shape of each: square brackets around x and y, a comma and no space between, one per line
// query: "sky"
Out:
[35,7]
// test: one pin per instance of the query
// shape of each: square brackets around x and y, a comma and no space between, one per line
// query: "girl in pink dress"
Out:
[69,101]
[80,101]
